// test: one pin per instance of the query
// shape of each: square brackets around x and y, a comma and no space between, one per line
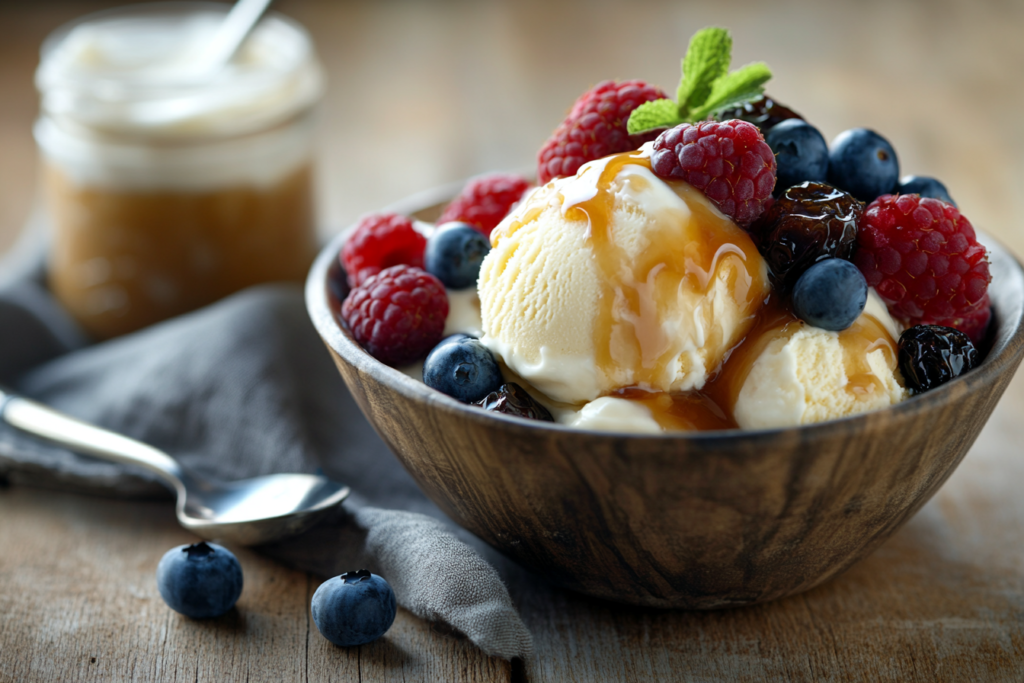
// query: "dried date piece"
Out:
[808,223]
[512,399]
[931,355]
[763,112]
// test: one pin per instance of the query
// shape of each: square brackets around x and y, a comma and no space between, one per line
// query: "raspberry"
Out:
[397,315]
[975,324]
[486,200]
[595,128]
[378,242]
[729,162]
[924,260]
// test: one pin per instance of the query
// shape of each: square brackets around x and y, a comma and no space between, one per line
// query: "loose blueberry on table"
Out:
[354,609]
[201,581]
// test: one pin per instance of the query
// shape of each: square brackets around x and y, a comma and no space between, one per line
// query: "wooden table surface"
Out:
[423,93]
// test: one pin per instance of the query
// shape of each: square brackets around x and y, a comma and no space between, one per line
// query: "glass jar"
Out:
[168,189]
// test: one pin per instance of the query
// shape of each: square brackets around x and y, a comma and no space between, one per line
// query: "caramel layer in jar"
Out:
[125,259]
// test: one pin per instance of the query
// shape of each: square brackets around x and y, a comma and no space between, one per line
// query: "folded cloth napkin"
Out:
[243,388]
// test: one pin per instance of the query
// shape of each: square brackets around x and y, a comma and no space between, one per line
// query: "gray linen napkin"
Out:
[242,388]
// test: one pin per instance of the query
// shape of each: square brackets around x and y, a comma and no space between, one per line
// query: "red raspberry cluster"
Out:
[923,258]
[397,315]
[486,200]
[595,128]
[728,161]
[395,309]
[378,242]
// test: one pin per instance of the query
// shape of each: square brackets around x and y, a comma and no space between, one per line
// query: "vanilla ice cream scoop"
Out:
[616,278]
[803,374]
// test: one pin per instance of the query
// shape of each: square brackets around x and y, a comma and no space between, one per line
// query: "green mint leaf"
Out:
[727,88]
[652,115]
[707,59]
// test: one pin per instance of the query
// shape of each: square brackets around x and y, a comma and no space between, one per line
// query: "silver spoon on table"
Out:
[248,512]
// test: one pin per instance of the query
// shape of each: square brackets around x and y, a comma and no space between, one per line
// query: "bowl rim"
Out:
[1005,352]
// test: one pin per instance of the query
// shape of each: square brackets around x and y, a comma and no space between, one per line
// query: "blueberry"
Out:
[924,186]
[462,368]
[458,337]
[801,153]
[831,295]
[200,581]
[354,608]
[454,253]
[863,163]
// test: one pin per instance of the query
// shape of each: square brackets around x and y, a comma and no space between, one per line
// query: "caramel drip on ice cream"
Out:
[865,336]
[688,251]
[711,407]
[685,251]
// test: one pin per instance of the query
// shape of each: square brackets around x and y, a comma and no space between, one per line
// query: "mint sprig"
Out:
[707,86]
[731,89]
[706,61]
[653,115]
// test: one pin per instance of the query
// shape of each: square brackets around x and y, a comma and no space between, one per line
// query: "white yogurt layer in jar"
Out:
[170,186]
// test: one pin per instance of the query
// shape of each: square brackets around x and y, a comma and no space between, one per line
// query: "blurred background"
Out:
[425,92]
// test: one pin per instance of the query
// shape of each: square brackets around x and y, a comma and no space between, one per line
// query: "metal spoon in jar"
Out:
[248,512]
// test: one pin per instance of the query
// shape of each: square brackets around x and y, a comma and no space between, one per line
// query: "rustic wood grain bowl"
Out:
[681,520]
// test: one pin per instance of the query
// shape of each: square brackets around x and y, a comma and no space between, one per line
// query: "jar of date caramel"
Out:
[169,188]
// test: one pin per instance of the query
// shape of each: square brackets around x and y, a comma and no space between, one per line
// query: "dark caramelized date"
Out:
[931,355]
[808,223]
[512,399]
[764,112]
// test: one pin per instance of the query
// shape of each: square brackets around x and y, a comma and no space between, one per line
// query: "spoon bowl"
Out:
[247,512]
[258,510]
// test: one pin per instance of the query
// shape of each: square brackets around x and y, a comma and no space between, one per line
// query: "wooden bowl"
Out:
[678,520]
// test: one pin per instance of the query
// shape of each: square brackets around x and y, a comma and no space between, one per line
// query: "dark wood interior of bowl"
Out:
[697,521]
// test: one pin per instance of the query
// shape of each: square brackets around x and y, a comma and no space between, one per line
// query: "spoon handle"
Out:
[56,427]
[233,32]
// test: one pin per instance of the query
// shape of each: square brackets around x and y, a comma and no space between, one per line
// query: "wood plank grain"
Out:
[78,602]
